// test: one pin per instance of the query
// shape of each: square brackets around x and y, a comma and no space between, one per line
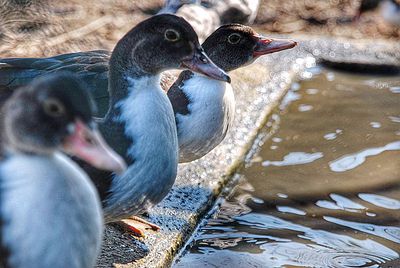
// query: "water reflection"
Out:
[395,119]
[219,246]
[389,232]
[333,135]
[294,158]
[287,209]
[354,160]
[381,201]
[341,202]
[375,124]
[305,108]
[324,191]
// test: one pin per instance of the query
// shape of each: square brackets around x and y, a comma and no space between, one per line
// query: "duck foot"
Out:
[137,226]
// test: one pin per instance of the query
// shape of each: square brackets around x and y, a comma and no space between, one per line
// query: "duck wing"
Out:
[91,67]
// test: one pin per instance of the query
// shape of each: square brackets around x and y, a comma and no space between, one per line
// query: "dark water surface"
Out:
[323,191]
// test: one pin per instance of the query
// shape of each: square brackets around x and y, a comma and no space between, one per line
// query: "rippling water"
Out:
[323,191]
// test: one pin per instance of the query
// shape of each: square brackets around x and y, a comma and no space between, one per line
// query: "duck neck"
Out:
[123,75]
[13,143]
[122,65]
[116,124]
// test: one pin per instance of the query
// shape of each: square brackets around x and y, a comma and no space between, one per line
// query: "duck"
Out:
[231,46]
[389,10]
[203,18]
[234,11]
[139,124]
[206,16]
[228,11]
[50,211]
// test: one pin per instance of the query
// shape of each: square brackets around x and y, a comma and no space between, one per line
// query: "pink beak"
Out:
[88,145]
[269,45]
[201,63]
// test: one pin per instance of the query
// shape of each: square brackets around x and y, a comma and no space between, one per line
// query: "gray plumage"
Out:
[50,212]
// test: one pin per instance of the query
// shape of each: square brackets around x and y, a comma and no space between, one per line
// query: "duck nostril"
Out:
[203,59]
[90,141]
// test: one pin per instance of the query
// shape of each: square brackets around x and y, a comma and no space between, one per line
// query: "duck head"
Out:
[55,113]
[164,42]
[234,45]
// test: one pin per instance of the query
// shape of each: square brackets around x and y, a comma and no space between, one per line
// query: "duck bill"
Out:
[88,144]
[269,45]
[201,63]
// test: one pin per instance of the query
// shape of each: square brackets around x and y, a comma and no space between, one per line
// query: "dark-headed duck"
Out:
[50,211]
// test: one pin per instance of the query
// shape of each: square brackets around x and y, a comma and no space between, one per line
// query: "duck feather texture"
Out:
[28,182]
[149,131]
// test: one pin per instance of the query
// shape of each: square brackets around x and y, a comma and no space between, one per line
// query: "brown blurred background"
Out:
[45,27]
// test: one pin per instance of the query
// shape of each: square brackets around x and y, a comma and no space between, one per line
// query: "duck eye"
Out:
[234,38]
[53,107]
[172,35]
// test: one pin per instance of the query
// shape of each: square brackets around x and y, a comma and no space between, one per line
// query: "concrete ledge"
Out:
[258,89]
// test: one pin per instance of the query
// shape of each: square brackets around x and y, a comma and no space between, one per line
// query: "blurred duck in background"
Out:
[207,15]
[389,10]
[50,212]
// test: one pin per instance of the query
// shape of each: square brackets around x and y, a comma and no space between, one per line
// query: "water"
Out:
[323,191]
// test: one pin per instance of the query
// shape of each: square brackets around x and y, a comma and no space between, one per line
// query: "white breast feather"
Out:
[52,211]
[212,108]
[149,121]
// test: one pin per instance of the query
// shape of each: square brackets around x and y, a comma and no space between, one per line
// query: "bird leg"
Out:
[137,226]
